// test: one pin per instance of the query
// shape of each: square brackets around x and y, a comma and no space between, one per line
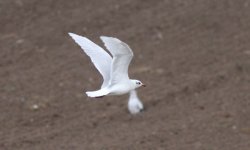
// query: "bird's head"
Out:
[138,83]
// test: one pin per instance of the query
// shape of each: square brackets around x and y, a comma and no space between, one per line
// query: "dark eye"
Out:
[138,83]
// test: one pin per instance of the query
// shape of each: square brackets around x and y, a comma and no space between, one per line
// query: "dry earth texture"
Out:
[193,55]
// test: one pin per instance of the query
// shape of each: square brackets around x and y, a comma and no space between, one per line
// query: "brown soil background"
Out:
[193,55]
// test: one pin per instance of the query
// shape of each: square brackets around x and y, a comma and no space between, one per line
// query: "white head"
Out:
[137,83]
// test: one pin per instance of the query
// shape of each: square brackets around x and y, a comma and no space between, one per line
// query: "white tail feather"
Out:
[98,93]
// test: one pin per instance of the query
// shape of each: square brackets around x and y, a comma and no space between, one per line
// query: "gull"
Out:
[134,104]
[114,70]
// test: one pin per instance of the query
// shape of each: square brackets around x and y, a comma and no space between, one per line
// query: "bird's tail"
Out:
[98,93]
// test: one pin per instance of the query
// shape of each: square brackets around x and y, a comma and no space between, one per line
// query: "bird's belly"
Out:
[119,89]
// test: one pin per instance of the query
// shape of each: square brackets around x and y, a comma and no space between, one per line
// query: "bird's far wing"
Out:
[122,56]
[100,58]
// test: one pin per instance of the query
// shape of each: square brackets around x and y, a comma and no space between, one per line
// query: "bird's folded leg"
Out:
[99,97]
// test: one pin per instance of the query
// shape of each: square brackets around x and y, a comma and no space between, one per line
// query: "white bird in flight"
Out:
[113,70]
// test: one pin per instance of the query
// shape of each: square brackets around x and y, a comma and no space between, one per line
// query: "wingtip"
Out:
[76,36]
[71,34]
[105,38]
[102,37]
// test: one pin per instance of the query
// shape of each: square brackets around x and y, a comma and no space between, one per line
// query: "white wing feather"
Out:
[122,56]
[100,58]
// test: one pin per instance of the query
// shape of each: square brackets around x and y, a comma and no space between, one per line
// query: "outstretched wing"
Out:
[100,58]
[122,56]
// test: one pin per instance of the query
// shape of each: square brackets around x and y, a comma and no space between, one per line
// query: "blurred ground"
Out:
[193,55]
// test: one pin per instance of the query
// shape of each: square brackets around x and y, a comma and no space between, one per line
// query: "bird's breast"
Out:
[120,89]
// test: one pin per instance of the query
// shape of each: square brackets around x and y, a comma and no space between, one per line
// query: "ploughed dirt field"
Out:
[193,55]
